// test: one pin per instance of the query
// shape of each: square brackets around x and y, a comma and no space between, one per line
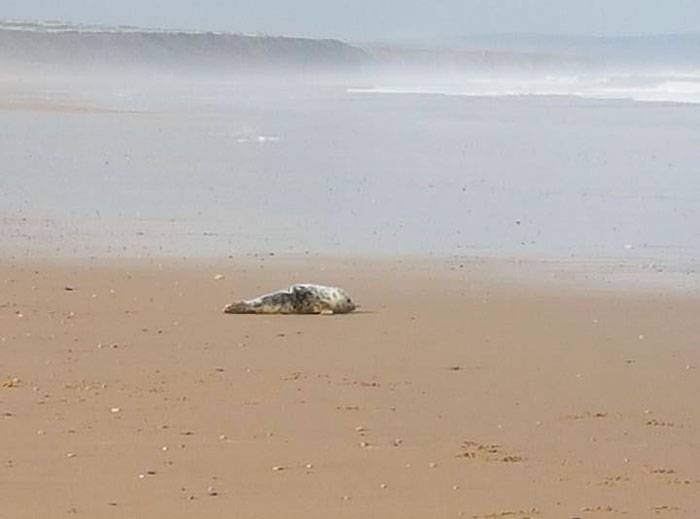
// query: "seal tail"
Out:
[239,307]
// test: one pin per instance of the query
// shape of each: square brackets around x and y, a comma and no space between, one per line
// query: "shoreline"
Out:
[633,276]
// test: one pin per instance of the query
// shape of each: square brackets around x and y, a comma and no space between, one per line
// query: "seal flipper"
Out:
[241,307]
[275,303]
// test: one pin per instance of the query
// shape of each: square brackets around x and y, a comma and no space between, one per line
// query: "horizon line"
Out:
[7,23]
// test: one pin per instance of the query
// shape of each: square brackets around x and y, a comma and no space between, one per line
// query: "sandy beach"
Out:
[126,392]
[520,230]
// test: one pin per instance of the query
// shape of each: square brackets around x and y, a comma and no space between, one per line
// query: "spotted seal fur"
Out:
[297,299]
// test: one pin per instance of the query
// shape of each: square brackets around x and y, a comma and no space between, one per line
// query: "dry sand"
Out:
[127,393]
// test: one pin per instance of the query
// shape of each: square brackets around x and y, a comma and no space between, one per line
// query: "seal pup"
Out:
[297,299]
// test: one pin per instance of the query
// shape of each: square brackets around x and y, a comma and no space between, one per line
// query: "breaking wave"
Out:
[650,87]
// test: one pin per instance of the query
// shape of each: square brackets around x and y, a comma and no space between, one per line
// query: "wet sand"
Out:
[123,167]
[126,392]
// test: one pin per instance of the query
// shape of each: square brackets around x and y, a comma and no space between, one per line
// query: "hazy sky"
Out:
[373,19]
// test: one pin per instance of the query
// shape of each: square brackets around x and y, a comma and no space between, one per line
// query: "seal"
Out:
[297,299]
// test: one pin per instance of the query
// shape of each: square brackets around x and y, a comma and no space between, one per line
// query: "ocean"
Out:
[123,163]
